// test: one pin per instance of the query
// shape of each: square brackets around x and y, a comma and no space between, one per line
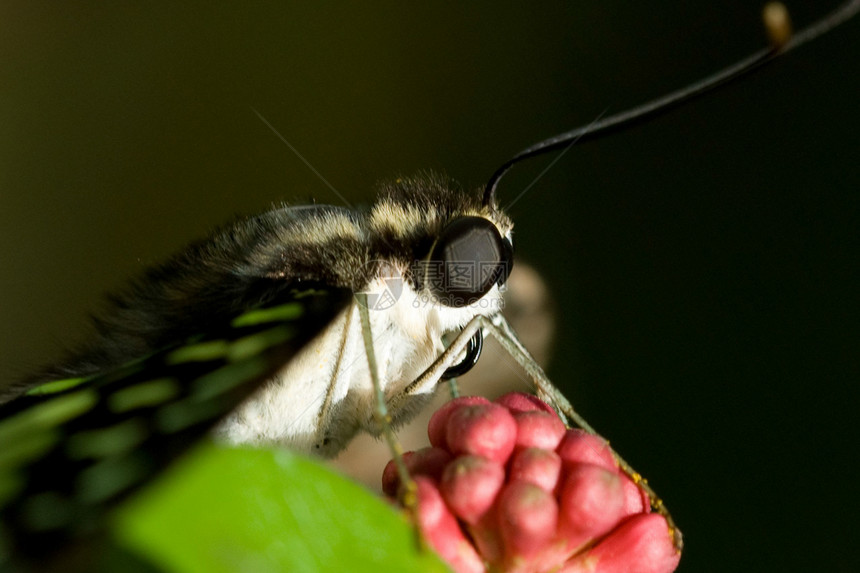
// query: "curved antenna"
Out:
[779,33]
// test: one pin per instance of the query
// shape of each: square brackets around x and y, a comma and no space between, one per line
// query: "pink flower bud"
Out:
[591,503]
[578,446]
[486,430]
[429,462]
[469,486]
[391,478]
[564,504]
[519,402]
[641,544]
[635,500]
[438,427]
[487,537]
[538,429]
[440,528]
[528,517]
[536,466]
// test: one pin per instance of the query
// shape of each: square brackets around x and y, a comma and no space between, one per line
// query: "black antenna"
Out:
[778,28]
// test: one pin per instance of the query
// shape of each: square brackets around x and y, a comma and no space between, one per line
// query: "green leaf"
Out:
[238,509]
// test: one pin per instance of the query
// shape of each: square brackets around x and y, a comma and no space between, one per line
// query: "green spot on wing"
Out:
[55,386]
[255,344]
[47,414]
[106,442]
[110,477]
[230,376]
[180,415]
[29,434]
[200,352]
[63,408]
[284,312]
[300,294]
[206,401]
[26,448]
[149,393]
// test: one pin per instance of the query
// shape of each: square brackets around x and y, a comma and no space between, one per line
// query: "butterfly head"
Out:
[453,250]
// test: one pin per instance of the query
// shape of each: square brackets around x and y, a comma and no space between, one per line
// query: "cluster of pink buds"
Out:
[506,487]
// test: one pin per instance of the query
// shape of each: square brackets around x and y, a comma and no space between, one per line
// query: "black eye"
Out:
[469,257]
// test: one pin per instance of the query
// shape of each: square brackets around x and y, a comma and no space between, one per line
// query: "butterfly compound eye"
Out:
[469,257]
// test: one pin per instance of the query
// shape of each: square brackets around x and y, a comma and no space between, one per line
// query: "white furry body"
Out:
[324,396]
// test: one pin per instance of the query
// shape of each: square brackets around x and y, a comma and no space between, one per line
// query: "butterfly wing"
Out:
[70,449]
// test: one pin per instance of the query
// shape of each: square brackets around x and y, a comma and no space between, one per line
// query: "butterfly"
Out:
[300,326]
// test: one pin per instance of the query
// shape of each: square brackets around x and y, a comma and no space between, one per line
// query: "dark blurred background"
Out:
[704,266]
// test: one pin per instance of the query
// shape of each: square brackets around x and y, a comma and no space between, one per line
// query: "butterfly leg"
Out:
[381,413]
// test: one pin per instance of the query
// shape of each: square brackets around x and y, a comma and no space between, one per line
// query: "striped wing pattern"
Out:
[70,449]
